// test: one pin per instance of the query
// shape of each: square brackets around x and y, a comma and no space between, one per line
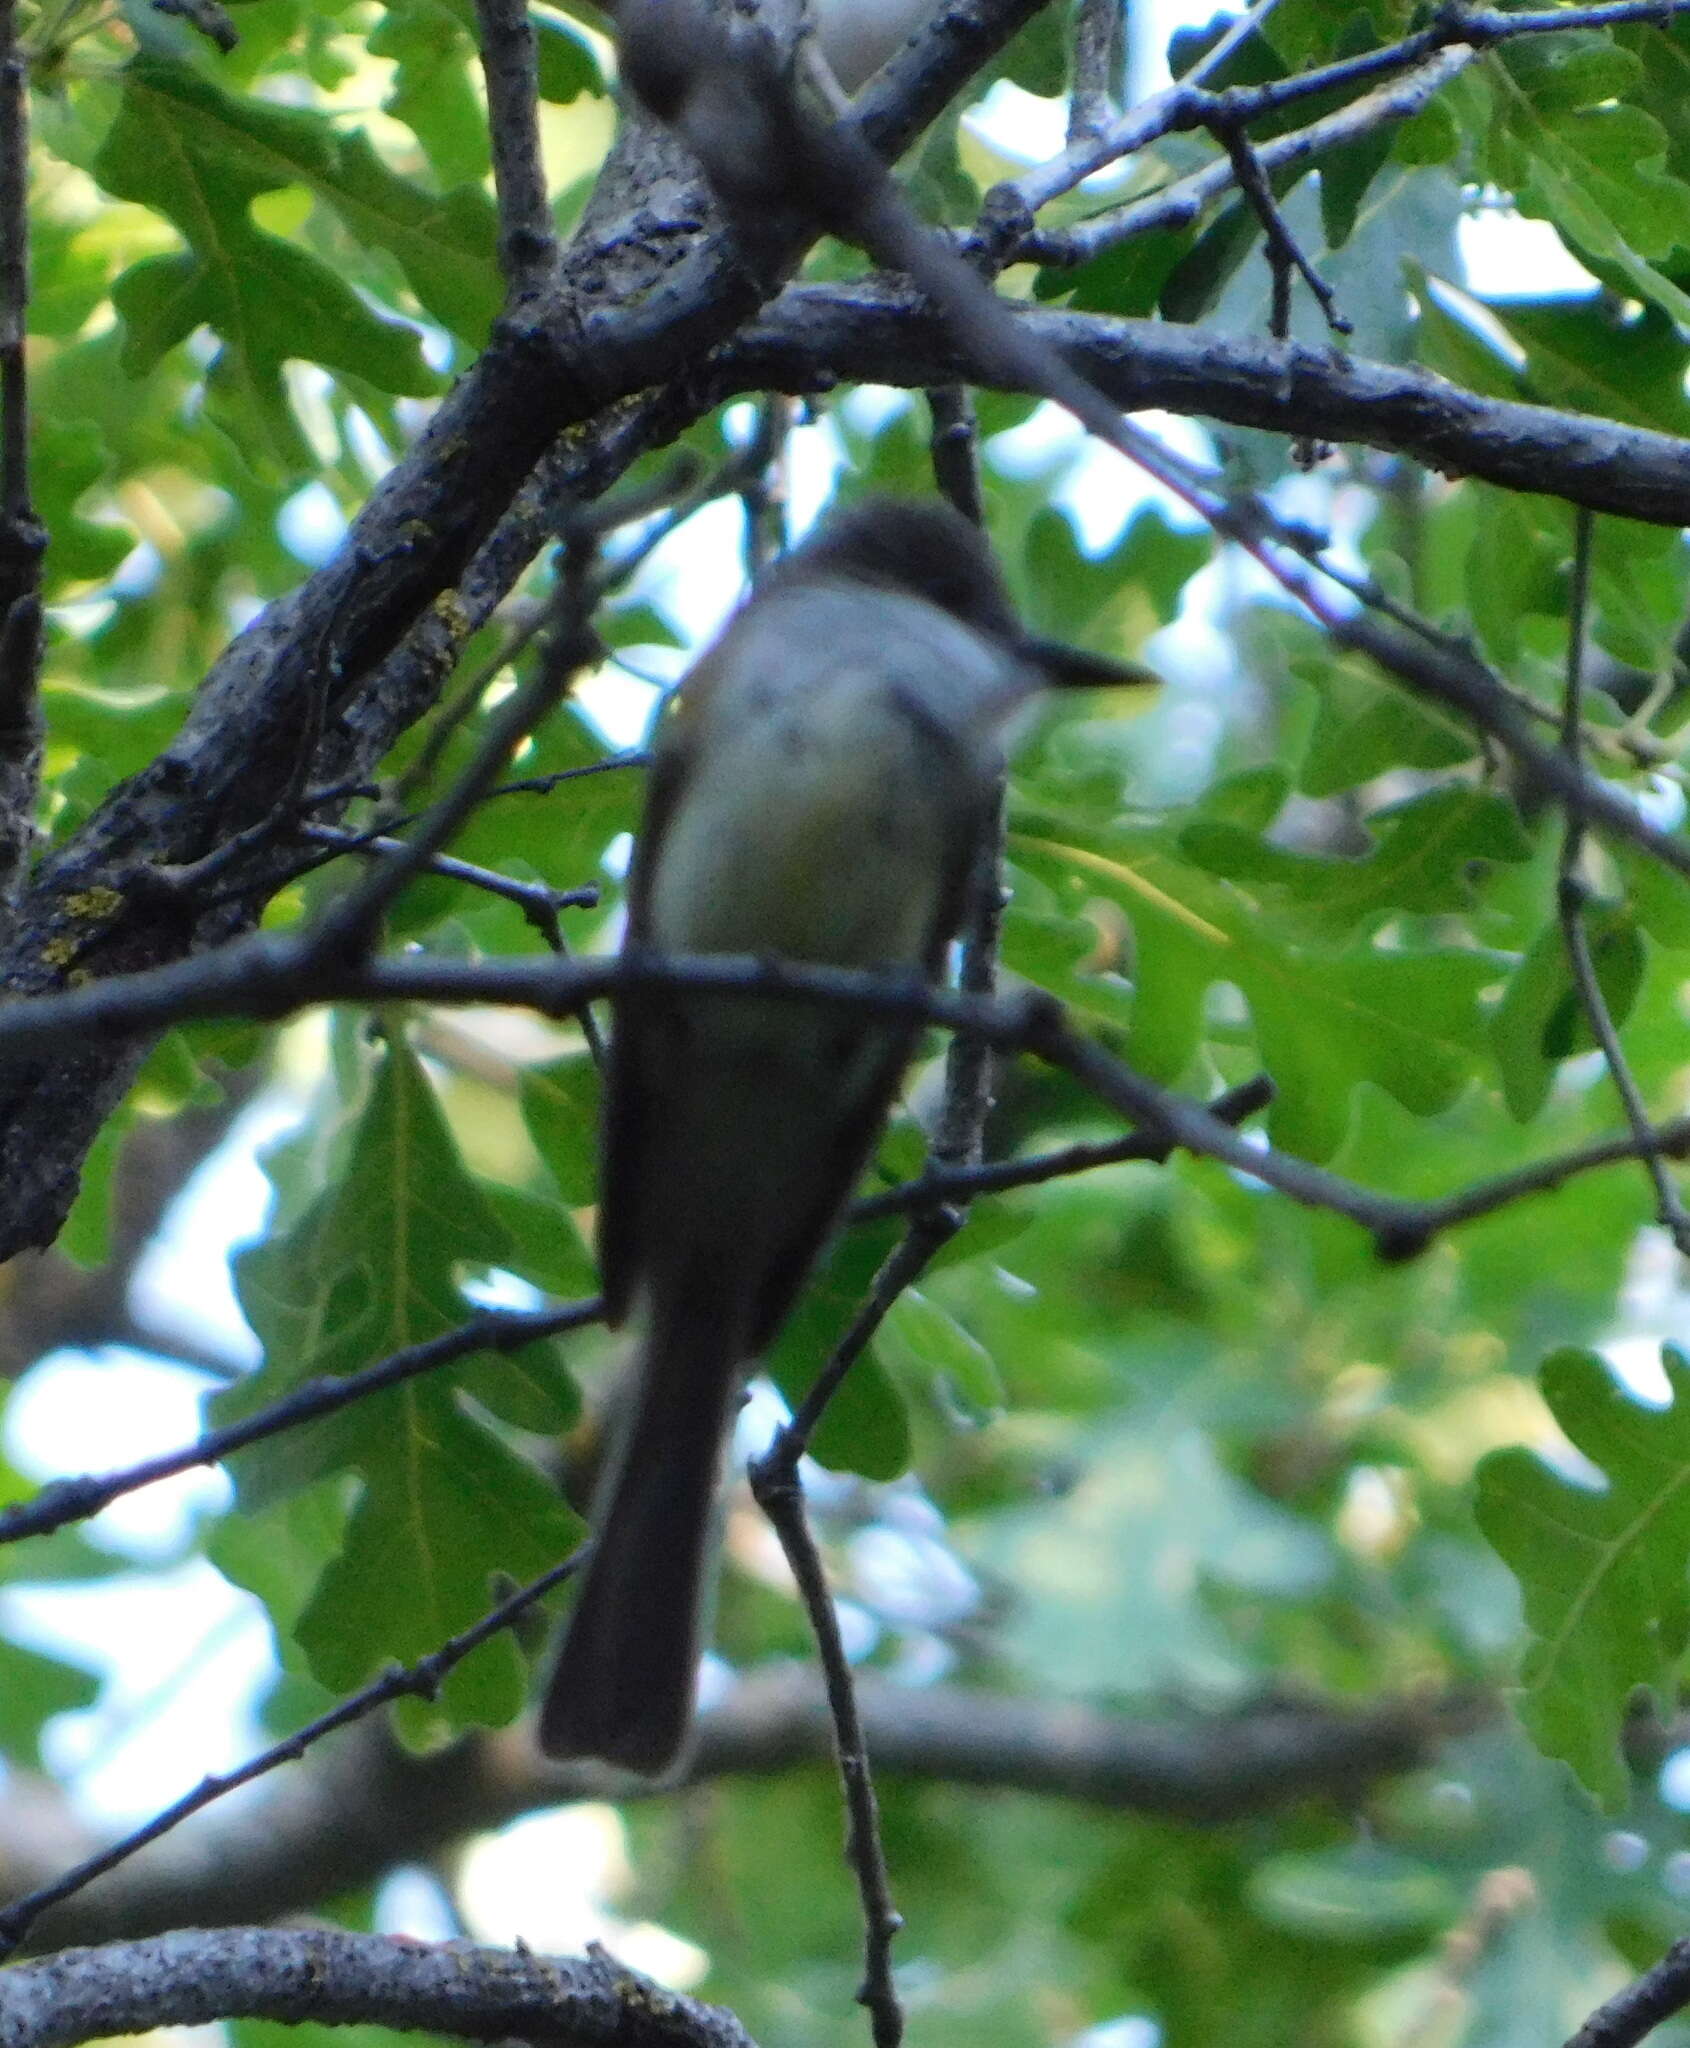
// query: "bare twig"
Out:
[1631,2014]
[421,1680]
[1187,105]
[499,1330]
[350,923]
[543,785]
[270,976]
[1098,57]
[1571,897]
[762,492]
[330,1977]
[780,1494]
[1021,198]
[1285,253]
[23,539]
[538,901]
[954,449]
[962,1184]
[1668,1141]
[527,240]
[1177,204]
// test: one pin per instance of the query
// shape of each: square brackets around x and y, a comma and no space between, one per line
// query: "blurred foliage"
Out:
[1195,1448]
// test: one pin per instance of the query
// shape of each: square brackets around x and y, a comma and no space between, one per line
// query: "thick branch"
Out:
[22,539]
[362,1805]
[875,332]
[650,282]
[337,1979]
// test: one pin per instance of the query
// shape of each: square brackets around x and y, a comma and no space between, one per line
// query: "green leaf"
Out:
[921,1342]
[1588,357]
[1115,601]
[568,64]
[445,1504]
[279,1553]
[1429,856]
[1601,1568]
[560,1105]
[1659,899]
[1156,1494]
[1577,156]
[430,43]
[200,156]
[1361,730]
[544,1242]
[864,1428]
[1541,1020]
[1325,1020]
[37,1687]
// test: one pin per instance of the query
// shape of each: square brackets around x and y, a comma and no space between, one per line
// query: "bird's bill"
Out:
[1076,668]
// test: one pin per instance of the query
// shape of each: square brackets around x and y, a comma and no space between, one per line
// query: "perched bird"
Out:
[817,794]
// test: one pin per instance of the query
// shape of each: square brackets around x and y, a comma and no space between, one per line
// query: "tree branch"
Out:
[1639,2009]
[266,977]
[421,1680]
[320,1975]
[510,66]
[651,280]
[1179,203]
[877,331]
[23,540]
[362,1804]
[63,1501]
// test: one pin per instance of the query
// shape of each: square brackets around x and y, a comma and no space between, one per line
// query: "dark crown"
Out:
[919,546]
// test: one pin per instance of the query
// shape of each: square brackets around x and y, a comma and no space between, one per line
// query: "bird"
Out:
[817,794]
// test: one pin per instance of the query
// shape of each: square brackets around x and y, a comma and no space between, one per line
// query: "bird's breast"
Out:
[813,826]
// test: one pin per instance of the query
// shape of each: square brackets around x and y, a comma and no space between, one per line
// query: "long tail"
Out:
[622,1686]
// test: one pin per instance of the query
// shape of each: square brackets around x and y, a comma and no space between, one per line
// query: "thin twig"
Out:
[953,448]
[1572,895]
[421,1680]
[778,1491]
[962,1184]
[959,1131]
[510,67]
[1177,204]
[762,493]
[72,1500]
[1137,129]
[1285,253]
[539,902]
[1097,62]
[23,539]
[543,785]
[1626,2018]
[678,479]
[350,923]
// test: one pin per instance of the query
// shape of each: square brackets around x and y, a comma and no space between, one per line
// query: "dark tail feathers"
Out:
[622,1686]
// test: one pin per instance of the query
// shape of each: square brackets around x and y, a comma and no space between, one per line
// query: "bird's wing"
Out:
[871,1091]
[644,1024]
